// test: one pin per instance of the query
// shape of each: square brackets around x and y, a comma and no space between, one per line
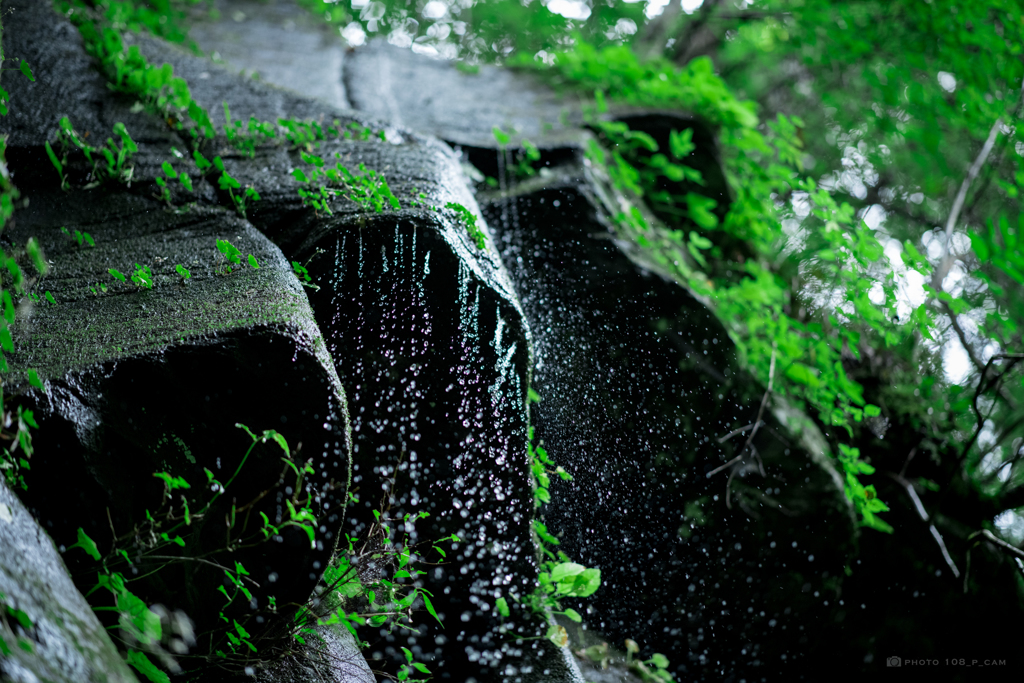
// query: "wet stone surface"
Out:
[639,384]
[53,635]
[280,43]
[429,342]
[433,97]
[145,380]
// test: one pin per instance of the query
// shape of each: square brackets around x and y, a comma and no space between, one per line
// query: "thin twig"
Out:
[961,196]
[1010,464]
[113,534]
[923,513]
[955,320]
[982,388]
[945,553]
[201,561]
[906,463]
[753,432]
[764,399]
[987,535]
[723,439]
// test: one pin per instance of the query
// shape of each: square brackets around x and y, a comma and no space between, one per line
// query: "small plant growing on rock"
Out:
[171,174]
[368,189]
[248,138]
[560,577]
[229,183]
[143,277]
[354,592]
[653,670]
[468,219]
[16,428]
[233,256]
[155,542]
[80,238]
[111,162]
[303,274]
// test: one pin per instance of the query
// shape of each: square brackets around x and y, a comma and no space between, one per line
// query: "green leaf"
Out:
[280,440]
[53,159]
[226,182]
[35,252]
[573,614]
[9,311]
[802,374]
[86,544]
[33,379]
[253,262]
[659,660]
[501,136]
[49,297]
[171,481]
[558,635]
[700,242]
[430,607]
[183,271]
[501,605]
[566,570]
[230,252]
[532,396]
[980,246]
[145,667]
[23,619]
[26,70]
[120,276]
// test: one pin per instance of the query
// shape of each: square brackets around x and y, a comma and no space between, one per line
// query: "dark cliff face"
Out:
[639,385]
[640,389]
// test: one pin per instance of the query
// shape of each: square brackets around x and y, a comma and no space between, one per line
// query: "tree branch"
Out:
[923,514]
[961,335]
[961,196]
[750,439]
[1014,358]
[986,535]
[682,52]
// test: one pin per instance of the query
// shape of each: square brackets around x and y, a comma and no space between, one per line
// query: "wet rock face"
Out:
[49,631]
[279,42]
[430,344]
[437,377]
[432,97]
[430,337]
[142,380]
[420,322]
[640,384]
